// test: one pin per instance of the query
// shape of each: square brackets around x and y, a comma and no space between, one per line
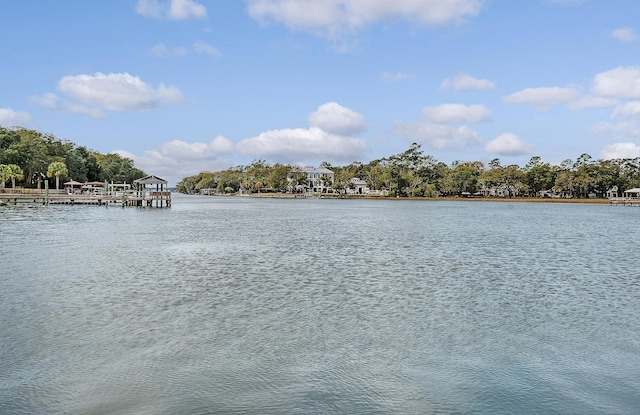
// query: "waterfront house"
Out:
[613,192]
[358,186]
[319,180]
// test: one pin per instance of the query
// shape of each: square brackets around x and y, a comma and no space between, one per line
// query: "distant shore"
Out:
[594,201]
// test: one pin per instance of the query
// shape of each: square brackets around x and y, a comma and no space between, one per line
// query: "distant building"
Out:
[358,187]
[319,180]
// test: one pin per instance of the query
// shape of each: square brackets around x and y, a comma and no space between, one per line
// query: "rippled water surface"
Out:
[263,306]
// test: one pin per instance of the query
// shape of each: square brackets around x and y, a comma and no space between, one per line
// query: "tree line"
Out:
[29,158]
[413,173]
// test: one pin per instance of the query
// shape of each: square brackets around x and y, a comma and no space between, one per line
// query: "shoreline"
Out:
[595,201]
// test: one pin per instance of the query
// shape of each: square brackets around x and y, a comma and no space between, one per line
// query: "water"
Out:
[261,306]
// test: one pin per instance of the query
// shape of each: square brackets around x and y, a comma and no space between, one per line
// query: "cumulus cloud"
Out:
[290,145]
[465,82]
[95,94]
[395,77]
[178,158]
[11,118]
[589,101]
[329,137]
[438,136]
[621,129]
[622,82]
[457,113]
[620,151]
[508,144]
[334,118]
[181,150]
[172,9]
[335,17]
[628,110]
[624,34]
[543,97]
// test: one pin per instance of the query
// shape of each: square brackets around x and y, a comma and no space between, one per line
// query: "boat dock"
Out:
[629,197]
[624,201]
[115,194]
[128,198]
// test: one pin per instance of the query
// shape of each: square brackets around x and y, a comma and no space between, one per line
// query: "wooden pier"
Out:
[629,197]
[109,194]
[624,201]
[130,198]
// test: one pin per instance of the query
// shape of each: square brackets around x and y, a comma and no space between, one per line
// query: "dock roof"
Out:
[151,180]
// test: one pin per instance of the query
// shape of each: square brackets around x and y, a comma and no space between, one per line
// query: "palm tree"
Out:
[12,172]
[57,169]
[4,174]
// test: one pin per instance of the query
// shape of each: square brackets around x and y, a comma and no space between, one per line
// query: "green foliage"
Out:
[57,169]
[34,152]
[117,169]
[11,172]
[414,174]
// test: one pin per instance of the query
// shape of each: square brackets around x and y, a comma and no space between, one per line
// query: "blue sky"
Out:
[183,86]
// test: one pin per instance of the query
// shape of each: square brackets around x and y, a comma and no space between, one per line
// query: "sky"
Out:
[184,86]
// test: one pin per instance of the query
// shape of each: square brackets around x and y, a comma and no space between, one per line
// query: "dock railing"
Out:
[626,201]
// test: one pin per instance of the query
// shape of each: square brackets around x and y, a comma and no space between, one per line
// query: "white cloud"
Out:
[395,77]
[588,101]
[334,118]
[628,110]
[176,159]
[457,113]
[182,150]
[172,9]
[92,94]
[621,82]
[206,49]
[438,136]
[508,144]
[465,82]
[543,97]
[622,129]
[620,151]
[336,17]
[11,118]
[330,137]
[291,145]
[624,34]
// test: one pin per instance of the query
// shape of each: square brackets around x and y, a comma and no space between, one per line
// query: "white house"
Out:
[319,179]
[359,186]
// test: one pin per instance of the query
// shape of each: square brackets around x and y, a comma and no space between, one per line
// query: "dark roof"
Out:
[151,180]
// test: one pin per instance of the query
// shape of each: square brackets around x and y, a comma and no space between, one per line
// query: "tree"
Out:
[296,177]
[11,172]
[539,175]
[462,178]
[4,174]
[57,169]
[277,180]
[117,168]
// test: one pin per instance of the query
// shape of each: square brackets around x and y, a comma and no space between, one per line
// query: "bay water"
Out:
[231,305]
